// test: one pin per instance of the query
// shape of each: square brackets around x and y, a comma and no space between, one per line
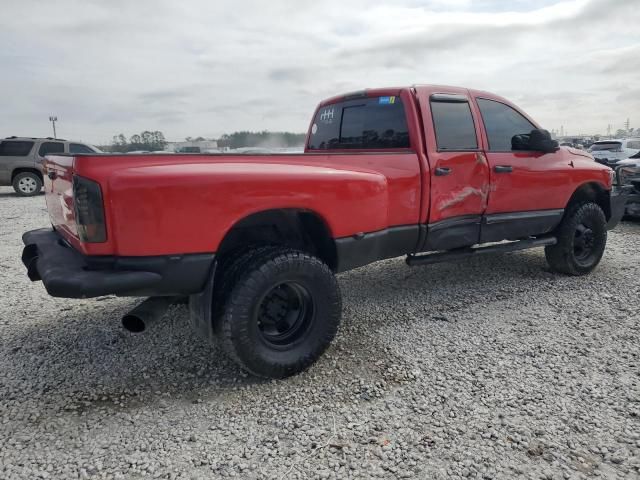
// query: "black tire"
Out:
[276,310]
[27,184]
[582,237]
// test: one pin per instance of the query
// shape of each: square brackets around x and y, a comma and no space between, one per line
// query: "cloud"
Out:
[204,68]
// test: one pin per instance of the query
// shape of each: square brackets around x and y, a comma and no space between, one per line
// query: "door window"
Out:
[15,148]
[50,147]
[502,123]
[453,125]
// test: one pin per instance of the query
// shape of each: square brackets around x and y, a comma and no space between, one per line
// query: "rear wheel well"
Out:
[591,192]
[300,229]
[18,171]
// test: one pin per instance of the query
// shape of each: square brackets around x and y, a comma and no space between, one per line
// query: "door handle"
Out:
[52,174]
[503,169]
[442,171]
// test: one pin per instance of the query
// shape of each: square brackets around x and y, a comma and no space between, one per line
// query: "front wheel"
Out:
[582,237]
[277,312]
[27,184]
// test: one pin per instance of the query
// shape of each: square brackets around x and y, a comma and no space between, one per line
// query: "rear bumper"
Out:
[67,273]
[619,198]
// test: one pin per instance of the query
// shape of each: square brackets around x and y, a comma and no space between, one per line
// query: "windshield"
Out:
[611,146]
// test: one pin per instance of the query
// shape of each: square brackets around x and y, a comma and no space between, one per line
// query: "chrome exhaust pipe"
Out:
[147,313]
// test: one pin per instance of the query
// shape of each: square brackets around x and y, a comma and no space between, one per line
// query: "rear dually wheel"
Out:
[277,310]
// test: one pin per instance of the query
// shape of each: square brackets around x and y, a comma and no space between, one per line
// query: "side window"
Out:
[15,148]
[633,144]
[502,123]
[453,125]
[79,148]
[368,123]
[50,147]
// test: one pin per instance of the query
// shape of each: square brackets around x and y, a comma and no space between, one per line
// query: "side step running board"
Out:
[462,253]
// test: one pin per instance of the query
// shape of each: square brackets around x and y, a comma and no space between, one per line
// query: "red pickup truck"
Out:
[432,172]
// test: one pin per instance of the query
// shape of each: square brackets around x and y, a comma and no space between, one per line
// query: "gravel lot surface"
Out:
[492,368]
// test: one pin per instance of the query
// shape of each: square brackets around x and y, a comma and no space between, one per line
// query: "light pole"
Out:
[53,120]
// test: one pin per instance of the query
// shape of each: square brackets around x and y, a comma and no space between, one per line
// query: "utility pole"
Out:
[53,120]
[627,124]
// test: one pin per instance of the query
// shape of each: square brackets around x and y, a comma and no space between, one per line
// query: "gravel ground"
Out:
[493,368]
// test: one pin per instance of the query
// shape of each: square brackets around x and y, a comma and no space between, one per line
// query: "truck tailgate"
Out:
[58,188]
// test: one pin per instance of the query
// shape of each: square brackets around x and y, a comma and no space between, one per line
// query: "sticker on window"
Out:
[327,115]
[386,100]
[314,128]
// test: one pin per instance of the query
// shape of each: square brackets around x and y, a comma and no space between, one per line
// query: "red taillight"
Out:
[89,210]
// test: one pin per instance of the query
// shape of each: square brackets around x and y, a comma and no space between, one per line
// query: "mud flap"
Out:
[201,308]
[620,196]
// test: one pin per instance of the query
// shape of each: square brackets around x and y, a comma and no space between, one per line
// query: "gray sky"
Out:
[207,67]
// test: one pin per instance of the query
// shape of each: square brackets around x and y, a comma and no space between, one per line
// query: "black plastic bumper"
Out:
[619,198]
[65,272]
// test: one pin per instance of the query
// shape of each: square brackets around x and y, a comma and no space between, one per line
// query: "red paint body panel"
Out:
[163,204]
[176,204]
[539,181]
[464,190]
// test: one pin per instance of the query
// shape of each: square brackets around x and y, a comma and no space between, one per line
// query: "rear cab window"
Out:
[15,148]
[368,123]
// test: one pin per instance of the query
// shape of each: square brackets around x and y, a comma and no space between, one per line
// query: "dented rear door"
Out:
[459,174]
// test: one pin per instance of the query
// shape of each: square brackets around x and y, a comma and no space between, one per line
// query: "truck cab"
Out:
[482,179]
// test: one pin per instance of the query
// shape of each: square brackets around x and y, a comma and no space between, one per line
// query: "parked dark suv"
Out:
[21,158]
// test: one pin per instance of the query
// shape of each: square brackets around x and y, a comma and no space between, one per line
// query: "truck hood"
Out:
[581,153]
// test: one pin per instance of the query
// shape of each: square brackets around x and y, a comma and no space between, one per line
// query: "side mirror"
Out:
[541,141]
[520,142]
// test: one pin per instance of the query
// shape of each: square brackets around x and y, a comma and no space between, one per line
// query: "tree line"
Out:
[146,140]
[155,140]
